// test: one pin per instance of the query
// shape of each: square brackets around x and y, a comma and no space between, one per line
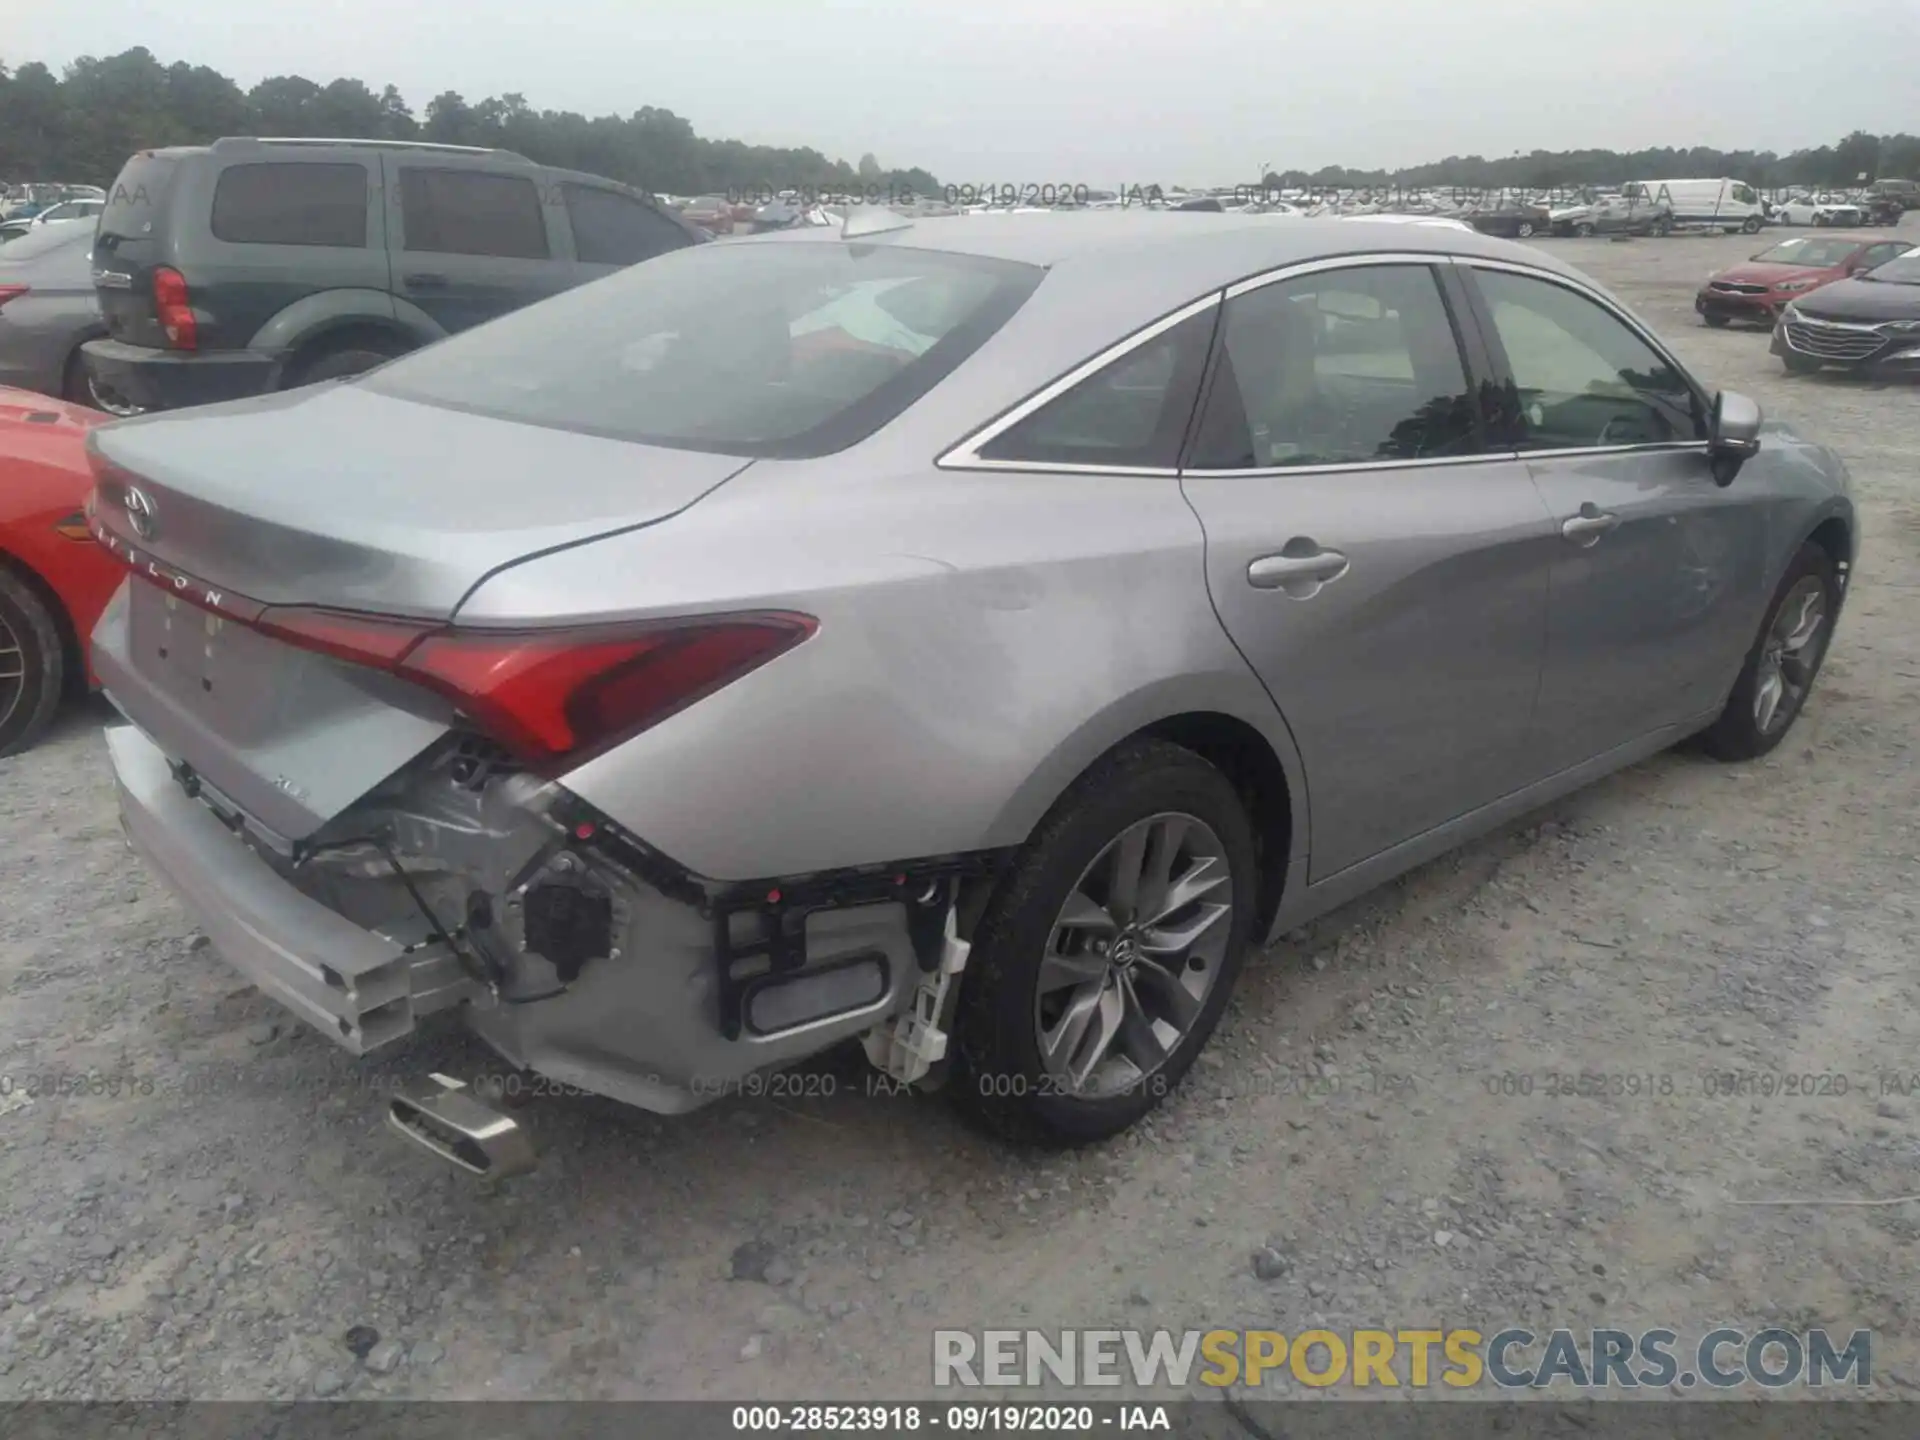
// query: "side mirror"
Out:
[1733,435]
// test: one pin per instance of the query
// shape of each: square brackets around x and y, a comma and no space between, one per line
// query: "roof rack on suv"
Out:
[231,140]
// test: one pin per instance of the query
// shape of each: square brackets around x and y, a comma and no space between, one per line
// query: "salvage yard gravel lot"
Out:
[1376,1108]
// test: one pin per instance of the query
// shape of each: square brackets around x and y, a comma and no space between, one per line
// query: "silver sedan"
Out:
[973,637]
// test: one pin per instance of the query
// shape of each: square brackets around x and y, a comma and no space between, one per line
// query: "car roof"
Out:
[1852,237]
[1205,250]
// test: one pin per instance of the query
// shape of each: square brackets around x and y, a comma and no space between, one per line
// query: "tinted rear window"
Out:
[469,212]
[787,350]
[135,197]
[289,203]
[614,229]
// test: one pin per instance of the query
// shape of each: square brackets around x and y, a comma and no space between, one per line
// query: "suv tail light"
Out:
[552,695]
[174,309]
[12,292]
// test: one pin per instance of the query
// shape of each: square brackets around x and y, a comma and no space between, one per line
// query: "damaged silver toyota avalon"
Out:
[984,629]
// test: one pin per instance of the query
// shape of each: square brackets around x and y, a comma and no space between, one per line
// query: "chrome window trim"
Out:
[1338,262]
[1430,462]
[966,455]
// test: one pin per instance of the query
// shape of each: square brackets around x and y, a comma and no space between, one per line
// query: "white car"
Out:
[1819,210]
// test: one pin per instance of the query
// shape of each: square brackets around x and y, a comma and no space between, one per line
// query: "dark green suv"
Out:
[252,265]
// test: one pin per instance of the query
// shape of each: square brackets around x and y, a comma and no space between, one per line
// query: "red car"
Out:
[54,580]
[1758,289]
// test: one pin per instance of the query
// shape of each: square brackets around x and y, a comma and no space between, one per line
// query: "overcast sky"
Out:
[1096,92]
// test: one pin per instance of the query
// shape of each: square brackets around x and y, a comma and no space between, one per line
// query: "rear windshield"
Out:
[134,199]
[776,350]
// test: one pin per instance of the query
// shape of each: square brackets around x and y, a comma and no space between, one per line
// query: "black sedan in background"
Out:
[1870,323]
[1514,219]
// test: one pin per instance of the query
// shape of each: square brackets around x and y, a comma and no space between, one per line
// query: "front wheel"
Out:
[1105,956]
[1717,320]
[1773,685]
[1752,225]
[1799,364]
[1525,232]
[1584,229]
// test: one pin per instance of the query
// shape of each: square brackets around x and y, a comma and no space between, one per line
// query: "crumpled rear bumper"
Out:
[361,989]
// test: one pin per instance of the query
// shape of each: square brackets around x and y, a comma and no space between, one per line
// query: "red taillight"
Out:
[551,695]
[175,309]
[568,694]
[12,292]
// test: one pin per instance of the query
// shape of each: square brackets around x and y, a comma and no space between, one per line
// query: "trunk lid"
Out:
[334,497]
[129,242]
[342,497]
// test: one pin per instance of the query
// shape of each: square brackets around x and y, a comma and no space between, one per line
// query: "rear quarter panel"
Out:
[983,638]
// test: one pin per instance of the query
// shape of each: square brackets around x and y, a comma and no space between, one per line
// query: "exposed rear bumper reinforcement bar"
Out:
[370,989]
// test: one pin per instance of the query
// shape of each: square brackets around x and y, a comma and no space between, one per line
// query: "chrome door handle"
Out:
[1298,575]
[1589,525]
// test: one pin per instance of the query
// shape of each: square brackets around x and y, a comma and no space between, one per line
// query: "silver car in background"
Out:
[972,636]
[47,311]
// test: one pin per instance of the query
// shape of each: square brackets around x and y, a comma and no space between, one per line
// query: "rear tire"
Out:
[353,358]
[1584,229]
[1773,685]
[1525,232]
[33,664]
[1033,968]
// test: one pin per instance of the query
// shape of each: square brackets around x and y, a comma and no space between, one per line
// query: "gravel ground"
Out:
[216,1228]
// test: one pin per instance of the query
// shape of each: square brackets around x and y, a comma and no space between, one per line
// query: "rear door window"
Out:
[292,203]
[1338,367]
[472,212]
[614,229]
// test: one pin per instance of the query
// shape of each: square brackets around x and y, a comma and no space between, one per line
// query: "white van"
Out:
[1727,205]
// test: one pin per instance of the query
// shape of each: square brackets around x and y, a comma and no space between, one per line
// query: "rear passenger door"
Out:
[612,230]
[470,240]
[1380,567]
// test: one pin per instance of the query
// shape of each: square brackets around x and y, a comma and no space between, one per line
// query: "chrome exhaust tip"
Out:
[443,1115]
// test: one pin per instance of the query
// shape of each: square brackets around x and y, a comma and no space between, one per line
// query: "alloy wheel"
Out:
[1133,955]
[1789,655]
[13,672]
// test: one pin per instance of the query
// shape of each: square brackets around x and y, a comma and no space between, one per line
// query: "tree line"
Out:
[80,126]
[1840,165]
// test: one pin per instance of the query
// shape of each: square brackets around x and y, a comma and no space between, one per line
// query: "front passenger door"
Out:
[1657,574]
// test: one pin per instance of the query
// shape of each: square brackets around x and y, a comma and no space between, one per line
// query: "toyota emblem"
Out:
[139,512]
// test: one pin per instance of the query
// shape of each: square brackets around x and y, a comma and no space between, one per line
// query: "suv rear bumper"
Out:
[172,379]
